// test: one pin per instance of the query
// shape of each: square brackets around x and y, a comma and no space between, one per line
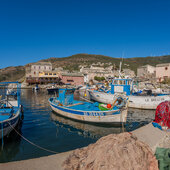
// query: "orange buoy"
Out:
[109,105]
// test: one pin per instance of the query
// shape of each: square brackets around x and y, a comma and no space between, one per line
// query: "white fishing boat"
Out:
[83,91]
[119,87]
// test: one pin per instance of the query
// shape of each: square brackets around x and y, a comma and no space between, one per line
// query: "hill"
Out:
[12,73]
[73,62]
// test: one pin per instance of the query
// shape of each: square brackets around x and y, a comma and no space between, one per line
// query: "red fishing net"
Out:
[162,115]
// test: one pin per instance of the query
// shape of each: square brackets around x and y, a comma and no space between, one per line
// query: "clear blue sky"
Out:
[31,30]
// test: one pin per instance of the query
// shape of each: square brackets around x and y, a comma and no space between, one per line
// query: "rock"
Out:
[118,152]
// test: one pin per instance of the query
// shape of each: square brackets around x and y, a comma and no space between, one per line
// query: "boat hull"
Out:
[84,93]
[102,97]
[138,102]
[147,102]
[108,117]
[52,90]
[7,126]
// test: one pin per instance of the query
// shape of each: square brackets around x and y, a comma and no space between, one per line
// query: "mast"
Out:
[120,67]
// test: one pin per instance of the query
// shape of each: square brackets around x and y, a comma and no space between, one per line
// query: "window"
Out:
[46,74]
[120,82]
[165,77]
[166,68]
[50,74]
[115,82]
[123,82]
[34,72]
[45,67]
[54,74]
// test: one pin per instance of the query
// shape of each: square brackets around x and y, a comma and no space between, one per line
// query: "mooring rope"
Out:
[32,142]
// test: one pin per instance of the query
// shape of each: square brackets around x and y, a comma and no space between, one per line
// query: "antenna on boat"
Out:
[120,66]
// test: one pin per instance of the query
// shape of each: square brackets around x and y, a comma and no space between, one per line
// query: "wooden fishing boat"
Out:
[10,107]
[66,106]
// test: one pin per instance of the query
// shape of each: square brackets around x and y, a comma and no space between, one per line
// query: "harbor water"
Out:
[50,131]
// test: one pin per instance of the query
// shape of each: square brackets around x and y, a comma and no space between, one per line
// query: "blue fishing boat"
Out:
[65,105]
[10,107]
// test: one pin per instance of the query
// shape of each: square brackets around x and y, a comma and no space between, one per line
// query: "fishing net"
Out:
[118,152]
[163,157]
[162,115]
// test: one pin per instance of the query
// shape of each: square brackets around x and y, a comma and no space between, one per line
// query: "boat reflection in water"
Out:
[10,148]
[136,118]
[84,129]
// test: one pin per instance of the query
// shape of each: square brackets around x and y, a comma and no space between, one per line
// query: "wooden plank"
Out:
[74,104]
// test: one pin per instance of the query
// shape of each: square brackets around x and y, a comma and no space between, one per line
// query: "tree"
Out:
[99,78]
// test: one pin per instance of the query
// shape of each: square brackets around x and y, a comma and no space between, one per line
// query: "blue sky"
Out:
[31,30]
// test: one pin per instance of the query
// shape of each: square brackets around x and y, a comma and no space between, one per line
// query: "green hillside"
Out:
[73,62]
[12,73]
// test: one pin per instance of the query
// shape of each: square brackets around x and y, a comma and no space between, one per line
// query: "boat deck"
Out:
[84,106]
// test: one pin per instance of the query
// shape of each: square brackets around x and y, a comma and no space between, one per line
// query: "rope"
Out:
[86,99]
[32,142]
[2,135]
[121,117]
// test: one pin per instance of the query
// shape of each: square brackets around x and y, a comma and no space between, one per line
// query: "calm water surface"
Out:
[46,129]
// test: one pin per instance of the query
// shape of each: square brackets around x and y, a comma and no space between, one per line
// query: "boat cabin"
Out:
[66,96]
[121,86]
[10,94]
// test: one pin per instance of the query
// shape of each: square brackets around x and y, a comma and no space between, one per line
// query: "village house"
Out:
[72,78]
[162,71]
[128,73]
[146,71]
[42,73]
[108,72]
[46,77]
[90,73]
[33,71]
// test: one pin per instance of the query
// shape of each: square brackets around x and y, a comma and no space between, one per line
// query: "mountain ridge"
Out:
[73,62]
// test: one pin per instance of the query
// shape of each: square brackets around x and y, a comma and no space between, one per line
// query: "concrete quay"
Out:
[152,136]
[147,134]
[52,162]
